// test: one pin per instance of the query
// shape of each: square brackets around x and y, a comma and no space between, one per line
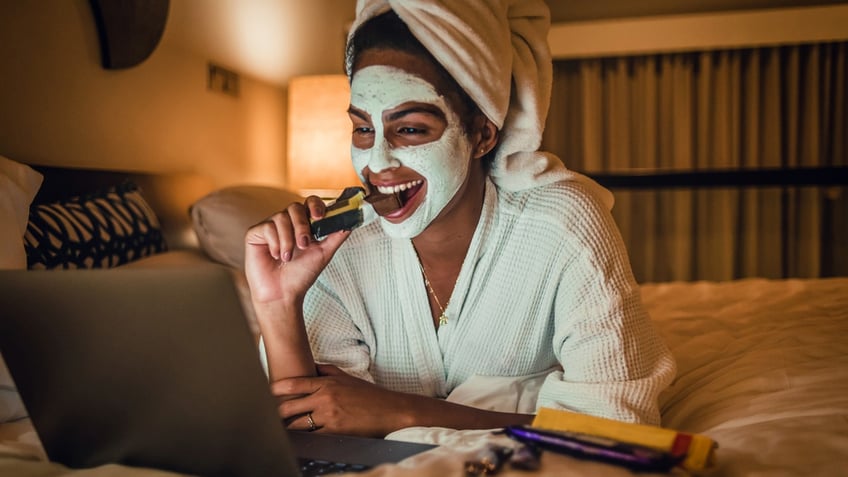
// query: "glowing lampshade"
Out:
[319,135]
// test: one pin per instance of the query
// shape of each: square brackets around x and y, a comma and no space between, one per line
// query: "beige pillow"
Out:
[221,218]
[18,186]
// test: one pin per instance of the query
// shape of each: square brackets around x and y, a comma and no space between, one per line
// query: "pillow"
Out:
[100,230]
[18,186]
[221,218]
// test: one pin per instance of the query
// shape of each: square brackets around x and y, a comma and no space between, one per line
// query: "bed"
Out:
[762,364]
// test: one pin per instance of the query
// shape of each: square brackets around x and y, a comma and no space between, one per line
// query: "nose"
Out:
[381,158]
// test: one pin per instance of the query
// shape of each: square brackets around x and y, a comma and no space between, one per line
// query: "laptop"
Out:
[156,368]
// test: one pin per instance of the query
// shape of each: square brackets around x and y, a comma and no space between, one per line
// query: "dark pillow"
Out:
[100,230]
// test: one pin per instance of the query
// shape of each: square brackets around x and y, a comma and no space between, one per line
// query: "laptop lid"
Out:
[153,368]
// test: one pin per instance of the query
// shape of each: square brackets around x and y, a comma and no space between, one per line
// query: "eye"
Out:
[408,131]
[362,130]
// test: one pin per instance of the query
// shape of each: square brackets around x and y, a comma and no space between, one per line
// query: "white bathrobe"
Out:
[545,289]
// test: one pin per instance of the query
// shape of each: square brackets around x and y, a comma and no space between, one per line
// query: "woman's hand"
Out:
[341,404]
[282,260]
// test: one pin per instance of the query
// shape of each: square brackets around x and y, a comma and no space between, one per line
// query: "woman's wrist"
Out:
[410,414]
[433,412]
[282,312]
[286,342]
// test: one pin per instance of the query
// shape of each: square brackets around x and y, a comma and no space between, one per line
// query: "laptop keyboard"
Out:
[310,467]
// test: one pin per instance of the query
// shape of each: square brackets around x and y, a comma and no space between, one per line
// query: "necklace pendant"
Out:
[443,320]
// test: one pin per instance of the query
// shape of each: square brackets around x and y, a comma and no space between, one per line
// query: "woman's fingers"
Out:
[309,420]
[295,399]
[263,235]
[313,207]
[295,395]
[292,229]
[290,226]
[301,230]
[291,409]
[316,206]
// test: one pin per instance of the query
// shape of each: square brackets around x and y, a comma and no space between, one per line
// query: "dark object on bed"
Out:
[99,230]
[129,30]
[168,195]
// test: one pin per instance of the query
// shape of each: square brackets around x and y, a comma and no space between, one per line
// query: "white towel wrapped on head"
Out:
[497,51]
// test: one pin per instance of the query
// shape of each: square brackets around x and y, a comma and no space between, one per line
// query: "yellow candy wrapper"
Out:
[699,449]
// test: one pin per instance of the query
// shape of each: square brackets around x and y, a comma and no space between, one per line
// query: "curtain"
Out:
[771,107]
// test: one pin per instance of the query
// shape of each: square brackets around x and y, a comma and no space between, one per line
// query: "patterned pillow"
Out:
[100,230]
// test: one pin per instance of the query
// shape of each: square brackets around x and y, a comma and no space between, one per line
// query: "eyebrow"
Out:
[359,114]
[421,108]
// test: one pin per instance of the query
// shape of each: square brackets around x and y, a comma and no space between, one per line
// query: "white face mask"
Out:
[443,162]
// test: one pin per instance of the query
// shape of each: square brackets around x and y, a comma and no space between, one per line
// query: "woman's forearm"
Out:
[432,412]
[286,342]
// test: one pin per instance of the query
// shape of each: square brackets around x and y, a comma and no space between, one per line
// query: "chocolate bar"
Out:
[346,211]
[384,203]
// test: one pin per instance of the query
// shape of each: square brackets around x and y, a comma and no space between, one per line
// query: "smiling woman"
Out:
[498,265]
[415,133]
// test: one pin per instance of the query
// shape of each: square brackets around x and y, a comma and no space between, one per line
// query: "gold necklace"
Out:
[443,318]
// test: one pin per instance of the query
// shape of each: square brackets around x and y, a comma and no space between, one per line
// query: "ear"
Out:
[486,136]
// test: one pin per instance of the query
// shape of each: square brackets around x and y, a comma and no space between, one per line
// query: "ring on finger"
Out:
[309,421]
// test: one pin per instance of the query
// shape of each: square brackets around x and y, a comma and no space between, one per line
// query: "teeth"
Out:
[398,188]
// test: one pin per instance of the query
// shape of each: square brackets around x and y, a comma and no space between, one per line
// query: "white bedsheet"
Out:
[763,369]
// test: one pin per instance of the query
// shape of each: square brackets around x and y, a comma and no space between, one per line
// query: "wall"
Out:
[699,31]
[58,106]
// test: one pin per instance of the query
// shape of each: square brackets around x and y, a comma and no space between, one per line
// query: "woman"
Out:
[499,264]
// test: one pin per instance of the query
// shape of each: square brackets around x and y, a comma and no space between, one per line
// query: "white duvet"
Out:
[763,370]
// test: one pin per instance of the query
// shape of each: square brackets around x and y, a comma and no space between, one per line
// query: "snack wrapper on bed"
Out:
[699,449]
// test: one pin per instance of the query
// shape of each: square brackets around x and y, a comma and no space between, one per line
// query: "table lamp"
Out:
[319,136]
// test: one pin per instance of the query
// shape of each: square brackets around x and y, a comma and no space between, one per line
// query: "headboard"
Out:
[730,178]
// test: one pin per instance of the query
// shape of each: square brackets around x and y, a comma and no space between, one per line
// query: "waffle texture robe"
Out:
[546,285]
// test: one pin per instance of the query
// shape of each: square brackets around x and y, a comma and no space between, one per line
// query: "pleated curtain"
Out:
[773,107]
